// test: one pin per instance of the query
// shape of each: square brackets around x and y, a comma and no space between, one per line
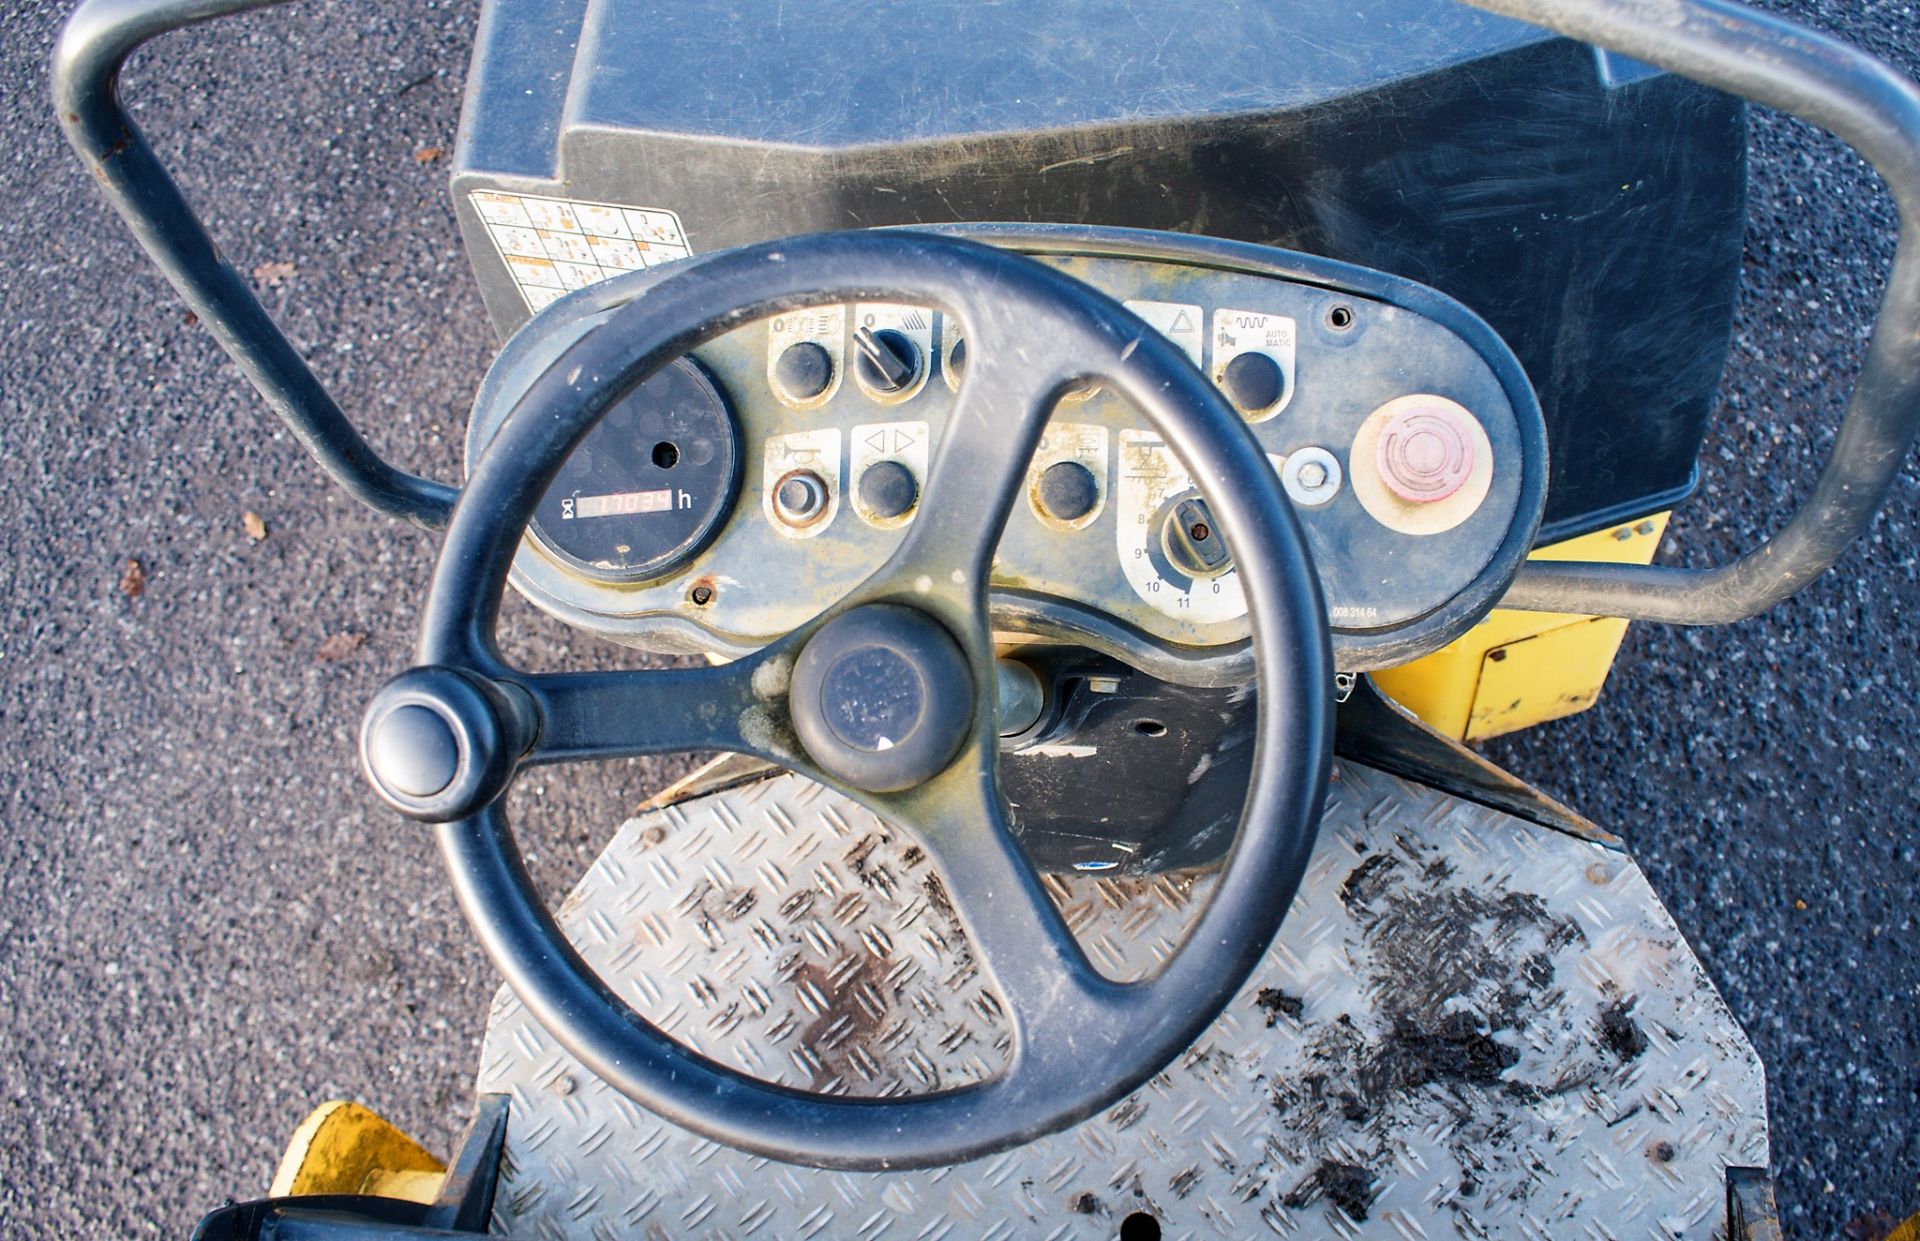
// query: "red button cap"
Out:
[1426,453]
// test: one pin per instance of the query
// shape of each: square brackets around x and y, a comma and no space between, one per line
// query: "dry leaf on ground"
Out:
[339,646]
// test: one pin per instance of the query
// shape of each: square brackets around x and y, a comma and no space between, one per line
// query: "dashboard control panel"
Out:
[752,483]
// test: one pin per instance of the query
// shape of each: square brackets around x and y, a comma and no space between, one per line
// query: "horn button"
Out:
[882,697]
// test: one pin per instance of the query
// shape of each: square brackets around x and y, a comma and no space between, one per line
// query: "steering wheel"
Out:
[888,696]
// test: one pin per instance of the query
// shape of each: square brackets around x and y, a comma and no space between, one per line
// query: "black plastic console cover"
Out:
[1539,181]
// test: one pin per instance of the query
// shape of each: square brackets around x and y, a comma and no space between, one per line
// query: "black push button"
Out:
[1253,382]
[888,489]
[803,370]
[1068,491]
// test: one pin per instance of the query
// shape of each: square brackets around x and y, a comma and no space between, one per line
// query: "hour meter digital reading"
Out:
[622,504]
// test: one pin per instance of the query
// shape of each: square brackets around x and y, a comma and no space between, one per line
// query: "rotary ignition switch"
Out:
[1193,542]
[889,361]
[1425,454]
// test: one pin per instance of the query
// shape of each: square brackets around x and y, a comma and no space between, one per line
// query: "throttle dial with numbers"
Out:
[1172,574]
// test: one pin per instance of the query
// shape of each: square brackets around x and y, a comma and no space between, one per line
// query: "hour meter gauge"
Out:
[649,486]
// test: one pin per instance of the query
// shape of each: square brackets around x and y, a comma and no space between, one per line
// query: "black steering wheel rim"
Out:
[1081,1042]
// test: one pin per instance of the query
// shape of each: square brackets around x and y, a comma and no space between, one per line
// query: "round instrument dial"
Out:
[649,486]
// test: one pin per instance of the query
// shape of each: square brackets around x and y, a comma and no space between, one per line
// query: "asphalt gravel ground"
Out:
[206,923]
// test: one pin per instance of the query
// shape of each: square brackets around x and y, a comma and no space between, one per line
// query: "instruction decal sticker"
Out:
[552,246]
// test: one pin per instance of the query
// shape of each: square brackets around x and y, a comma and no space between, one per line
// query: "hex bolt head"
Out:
[1311,476]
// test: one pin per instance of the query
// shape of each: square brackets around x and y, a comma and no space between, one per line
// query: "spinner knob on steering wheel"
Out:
[888,696]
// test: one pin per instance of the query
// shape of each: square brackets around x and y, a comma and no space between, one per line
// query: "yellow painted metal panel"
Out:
[1543,677]
[344,1148]
[1465,691]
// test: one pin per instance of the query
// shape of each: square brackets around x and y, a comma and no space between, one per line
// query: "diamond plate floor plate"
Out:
[1470,1026]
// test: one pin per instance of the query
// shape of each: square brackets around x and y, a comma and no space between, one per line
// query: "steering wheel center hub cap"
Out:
[874,698]
[882,697]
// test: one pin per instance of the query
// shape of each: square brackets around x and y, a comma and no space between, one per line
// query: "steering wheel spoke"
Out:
[1041,971]
[582,716]
[1011,386]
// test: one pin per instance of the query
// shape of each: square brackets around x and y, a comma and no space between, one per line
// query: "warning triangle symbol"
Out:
[1182,322]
